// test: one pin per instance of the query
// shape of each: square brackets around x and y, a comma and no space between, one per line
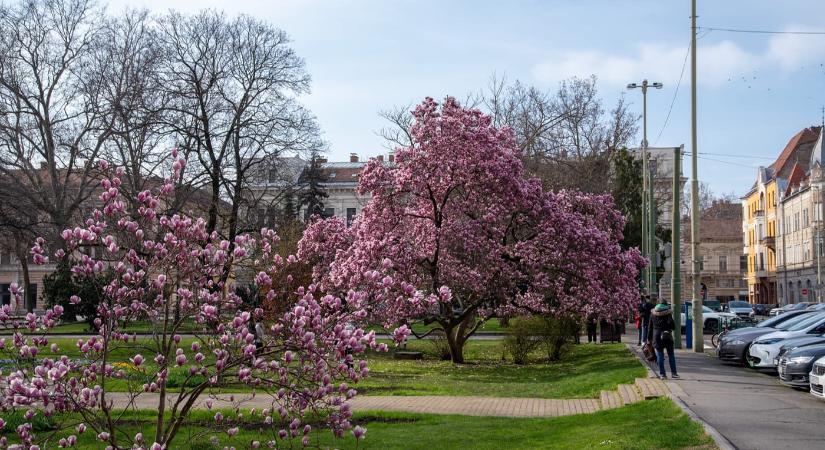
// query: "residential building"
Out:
[760,217]
[286,177]
[799,248]
[722,267]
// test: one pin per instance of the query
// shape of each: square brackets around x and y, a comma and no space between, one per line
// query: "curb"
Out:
[721,441]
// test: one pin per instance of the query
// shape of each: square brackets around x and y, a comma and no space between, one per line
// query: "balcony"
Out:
[769,241]
[759,213]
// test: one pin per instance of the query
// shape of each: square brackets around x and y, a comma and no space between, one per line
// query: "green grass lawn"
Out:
[582,373]
[655,424]
[585,371]
[490,326]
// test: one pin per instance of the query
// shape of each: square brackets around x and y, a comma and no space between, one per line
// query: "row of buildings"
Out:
[339,182]
[782,224]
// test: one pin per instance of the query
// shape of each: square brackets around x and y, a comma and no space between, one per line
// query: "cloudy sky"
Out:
[755,90]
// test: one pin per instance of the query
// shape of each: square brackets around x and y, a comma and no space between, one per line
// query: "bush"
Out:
[522,339]
[439,343]
[551,334]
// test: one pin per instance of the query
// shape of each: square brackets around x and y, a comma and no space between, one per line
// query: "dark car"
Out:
[816,307]
[762,309]
[734,345]
[795,365]
[801,341]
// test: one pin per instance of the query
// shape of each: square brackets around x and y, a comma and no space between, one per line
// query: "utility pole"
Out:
[698,337]
[675,241]
[648,205]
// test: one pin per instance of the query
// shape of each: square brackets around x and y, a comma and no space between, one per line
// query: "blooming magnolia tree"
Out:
[164,264]
[454,233]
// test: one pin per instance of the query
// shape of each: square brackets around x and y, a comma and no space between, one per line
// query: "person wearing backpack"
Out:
[660,333]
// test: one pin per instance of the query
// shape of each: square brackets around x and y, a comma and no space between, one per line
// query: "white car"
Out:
[710,318]
[816,378]
[765,350]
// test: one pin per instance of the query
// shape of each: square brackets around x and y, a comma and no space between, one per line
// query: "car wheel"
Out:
[711,326]
[746,357]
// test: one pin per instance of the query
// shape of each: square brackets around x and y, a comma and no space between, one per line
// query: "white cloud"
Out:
[717,63]
[792,51]
[657,62]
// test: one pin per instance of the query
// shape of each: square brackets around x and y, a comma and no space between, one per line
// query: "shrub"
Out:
[522,340]
[440,344]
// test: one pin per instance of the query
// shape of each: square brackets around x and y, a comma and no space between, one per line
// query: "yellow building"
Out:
[759,215]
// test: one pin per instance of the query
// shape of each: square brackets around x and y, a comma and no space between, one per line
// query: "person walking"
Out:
[645,307]
[660,333]
[592,324]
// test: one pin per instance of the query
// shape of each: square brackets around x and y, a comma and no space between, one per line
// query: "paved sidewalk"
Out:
[750,409]
[641,390]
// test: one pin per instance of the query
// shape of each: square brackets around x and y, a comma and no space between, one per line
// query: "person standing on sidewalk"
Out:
[660,333]
[645,307]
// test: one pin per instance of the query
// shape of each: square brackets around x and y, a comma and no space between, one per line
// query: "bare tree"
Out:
[232,85]
[126,68]
[49,134]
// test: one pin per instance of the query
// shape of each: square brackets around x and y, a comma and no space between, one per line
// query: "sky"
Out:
[754,90]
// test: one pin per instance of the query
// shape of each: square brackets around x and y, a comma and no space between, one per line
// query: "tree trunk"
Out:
[456,343]
[24,264]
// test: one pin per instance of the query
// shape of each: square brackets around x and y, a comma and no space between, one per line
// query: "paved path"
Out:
[642,389]
[750,409]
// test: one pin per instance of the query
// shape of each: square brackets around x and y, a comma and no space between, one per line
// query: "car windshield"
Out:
[805,323]
[791,322]
[739,305]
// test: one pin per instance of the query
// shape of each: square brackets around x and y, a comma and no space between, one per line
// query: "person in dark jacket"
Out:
[592,324]
[645,307]
[660,334]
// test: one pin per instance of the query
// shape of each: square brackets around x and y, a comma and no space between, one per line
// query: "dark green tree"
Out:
[627,193]
[312,194]
[62,284]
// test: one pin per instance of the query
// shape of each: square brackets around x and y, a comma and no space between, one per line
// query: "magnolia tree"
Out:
[162,264]
[454,233]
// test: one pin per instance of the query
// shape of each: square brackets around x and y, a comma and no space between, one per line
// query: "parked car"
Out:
[713,304]
[816,307]
[797,342]
[764,350]
[795,366]
[740,308]
[710,318]
[762,309]
[790,307]
[734,345]
[817,378]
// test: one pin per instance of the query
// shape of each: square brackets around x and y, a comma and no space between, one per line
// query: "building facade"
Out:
[722,265]
[760,215]
[800,252]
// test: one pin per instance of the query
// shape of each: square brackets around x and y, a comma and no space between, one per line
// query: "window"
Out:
[743,263]
[806,251]
[350,216]
[31,297]
[805,218]
[796,222]
[5,294]
[329,212]
[5,258]
[332,175]
[723,263]
[261,218]
[761,261]
[272,175]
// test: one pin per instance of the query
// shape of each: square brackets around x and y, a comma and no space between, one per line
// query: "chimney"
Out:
[381,158]
[392,156]
[321,160]
[353,157]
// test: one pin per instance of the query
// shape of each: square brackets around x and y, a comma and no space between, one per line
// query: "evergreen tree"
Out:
[313,194]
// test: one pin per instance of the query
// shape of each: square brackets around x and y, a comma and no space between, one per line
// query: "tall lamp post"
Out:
[648,205]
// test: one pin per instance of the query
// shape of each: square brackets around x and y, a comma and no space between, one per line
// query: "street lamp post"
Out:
[648,205]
